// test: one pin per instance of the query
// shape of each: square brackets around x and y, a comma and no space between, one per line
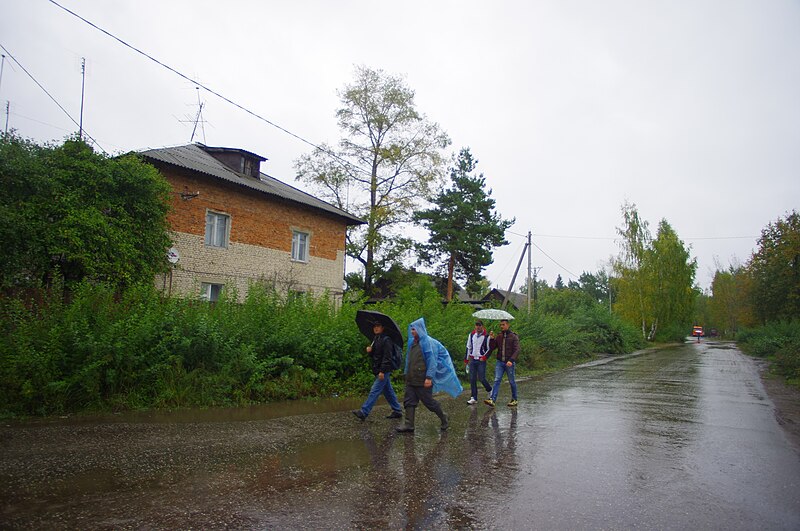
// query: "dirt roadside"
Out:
[787,403]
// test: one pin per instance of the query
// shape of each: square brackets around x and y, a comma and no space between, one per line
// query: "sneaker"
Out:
[395,415]
[360,414]
[471,401]
[489,402]
[513,403]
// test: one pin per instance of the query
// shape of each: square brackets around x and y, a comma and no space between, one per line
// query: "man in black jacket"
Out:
[381,352]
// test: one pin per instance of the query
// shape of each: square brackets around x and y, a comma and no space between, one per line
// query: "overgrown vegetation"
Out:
[72,213]
[779,342]
[100,351]
[758,303]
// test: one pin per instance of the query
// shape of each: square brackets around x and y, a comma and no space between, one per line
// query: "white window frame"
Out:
[217,236]
[300,246]
[211,291]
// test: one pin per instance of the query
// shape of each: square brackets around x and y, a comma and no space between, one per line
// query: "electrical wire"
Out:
[52,98]
[215,93]
[554,261]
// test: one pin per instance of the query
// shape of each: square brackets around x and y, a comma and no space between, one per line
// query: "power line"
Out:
[215,93]
[617,237]
[553,260]
[51,97]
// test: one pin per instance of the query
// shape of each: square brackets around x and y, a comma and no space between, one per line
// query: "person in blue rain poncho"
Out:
[428,369]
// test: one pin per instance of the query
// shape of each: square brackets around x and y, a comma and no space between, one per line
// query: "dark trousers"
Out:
[419,393]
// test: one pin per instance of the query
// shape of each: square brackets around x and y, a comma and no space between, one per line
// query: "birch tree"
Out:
[388,159]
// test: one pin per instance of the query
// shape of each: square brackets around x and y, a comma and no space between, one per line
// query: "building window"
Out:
[210,292]
[300,246]
[247,166]
[217,229]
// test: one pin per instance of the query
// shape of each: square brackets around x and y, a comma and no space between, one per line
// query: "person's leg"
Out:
[510,371]
[374,393]
[410,401]
[499,369]
[473,377]
[391,397]
[426,396]
[482,376]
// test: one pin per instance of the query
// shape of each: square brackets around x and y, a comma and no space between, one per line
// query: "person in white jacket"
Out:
[475,360]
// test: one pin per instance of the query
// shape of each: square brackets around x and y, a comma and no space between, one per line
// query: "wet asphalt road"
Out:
[680,438]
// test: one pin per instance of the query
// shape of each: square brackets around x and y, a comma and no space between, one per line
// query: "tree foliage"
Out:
[387,160]
[77,214]
[730,306]
[655,278]
[775,268]
[463,226]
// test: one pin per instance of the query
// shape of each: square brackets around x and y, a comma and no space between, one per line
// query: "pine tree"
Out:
[463,226]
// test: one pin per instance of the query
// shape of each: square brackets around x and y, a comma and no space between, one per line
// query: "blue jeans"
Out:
[477,373]
[381,387]
[500,368]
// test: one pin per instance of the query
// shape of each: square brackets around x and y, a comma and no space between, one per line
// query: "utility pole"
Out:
[2,66]
[83,84]
[529,272]
[514,278]
[8,103]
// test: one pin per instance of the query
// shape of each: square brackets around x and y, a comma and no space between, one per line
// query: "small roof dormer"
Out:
[236,159]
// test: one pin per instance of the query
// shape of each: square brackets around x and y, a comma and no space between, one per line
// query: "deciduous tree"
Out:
[387,160]
[75,213]
[654,277]
[775,268]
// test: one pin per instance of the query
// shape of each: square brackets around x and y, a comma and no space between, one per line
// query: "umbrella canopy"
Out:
[492,314]
[366,319]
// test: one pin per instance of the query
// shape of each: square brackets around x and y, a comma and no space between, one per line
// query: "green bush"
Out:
[100,350]
[778,341]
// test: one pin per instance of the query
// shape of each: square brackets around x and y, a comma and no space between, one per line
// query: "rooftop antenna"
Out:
[8,111]
[198,118]
[83,84]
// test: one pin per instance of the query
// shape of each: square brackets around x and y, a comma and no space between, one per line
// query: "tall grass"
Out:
[778,341]
[102,351]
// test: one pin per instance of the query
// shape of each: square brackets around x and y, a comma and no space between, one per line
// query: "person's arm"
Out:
[492,345]
[469,348]
[386,356]
[513,347]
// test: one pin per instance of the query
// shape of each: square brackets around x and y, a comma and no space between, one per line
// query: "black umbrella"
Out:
[366,319]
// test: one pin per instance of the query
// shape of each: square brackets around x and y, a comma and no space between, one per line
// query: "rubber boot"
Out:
[408,425]
[442,416]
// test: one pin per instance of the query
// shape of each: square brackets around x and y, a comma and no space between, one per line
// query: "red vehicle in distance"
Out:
[697,331]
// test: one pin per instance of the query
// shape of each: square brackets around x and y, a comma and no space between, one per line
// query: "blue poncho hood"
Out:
[437,359]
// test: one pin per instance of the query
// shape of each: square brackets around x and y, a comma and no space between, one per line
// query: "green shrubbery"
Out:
[779,341]
[103,351]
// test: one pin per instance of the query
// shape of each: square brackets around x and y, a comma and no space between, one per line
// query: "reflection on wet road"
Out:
[673,439]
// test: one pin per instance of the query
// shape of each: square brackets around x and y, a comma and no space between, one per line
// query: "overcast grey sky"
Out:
[689,109]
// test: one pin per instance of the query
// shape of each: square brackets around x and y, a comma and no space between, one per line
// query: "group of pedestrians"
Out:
[429,368]
[480,345]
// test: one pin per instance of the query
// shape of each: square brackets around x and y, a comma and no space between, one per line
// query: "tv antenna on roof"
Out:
[198,118]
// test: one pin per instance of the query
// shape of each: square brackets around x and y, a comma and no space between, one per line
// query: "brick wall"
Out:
[260,240]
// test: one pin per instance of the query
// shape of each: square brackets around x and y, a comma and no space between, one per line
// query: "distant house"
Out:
[233,225]
[517,301]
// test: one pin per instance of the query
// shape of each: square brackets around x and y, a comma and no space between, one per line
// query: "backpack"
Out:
[397,355]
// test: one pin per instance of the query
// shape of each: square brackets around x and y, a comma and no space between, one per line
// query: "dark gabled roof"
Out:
[518,300]
[194,158]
